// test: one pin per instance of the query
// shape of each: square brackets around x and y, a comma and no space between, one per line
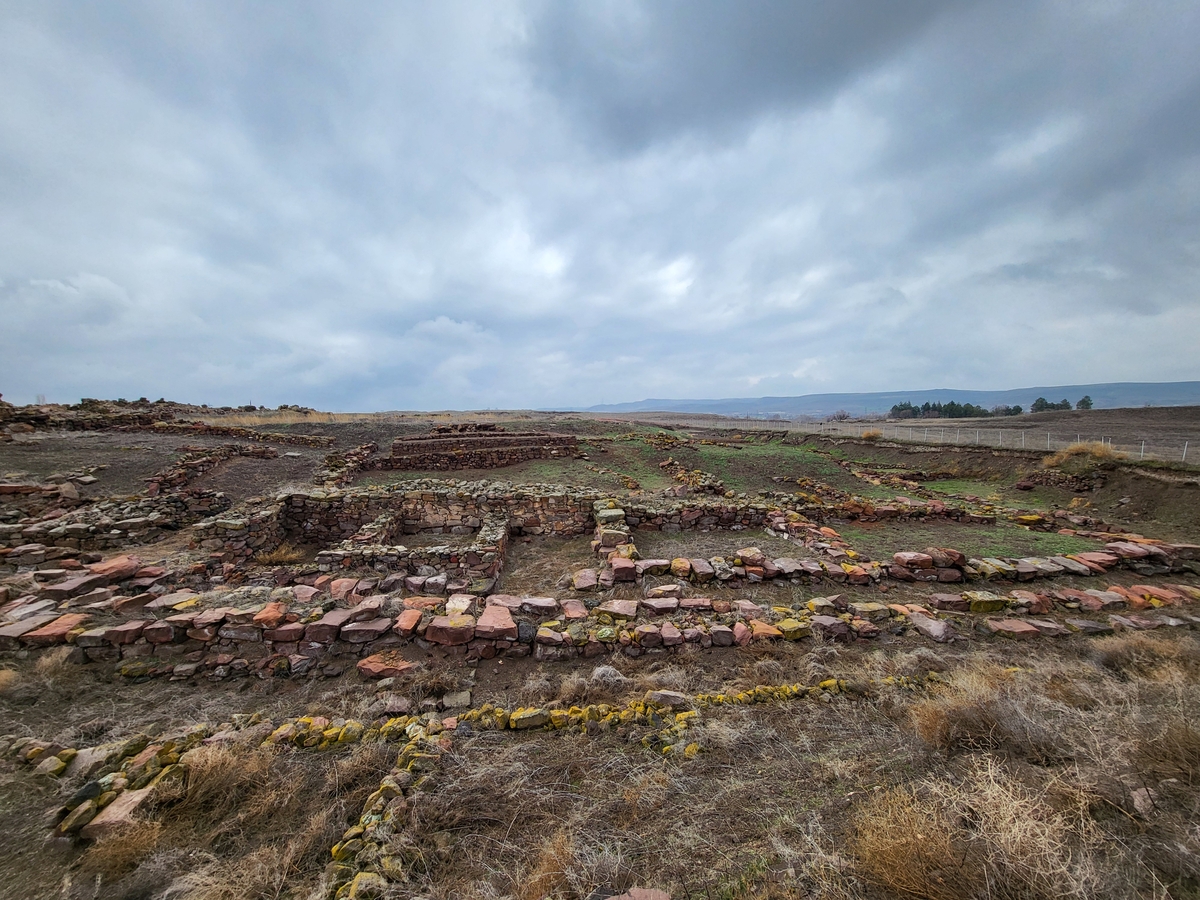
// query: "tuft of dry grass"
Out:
[285,554]
[8,680]
[984,835]
[554,862]
[1137,654]
[872,434]
[1171,750]
[247,822]
[1089,453]
[434,682]
[53,664]
[118,854]
[986,708]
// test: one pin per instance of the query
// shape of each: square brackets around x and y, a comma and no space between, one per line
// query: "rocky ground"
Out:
[879,673]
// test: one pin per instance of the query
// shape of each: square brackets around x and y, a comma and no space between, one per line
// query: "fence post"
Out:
[1047,440]
[957,435]
[977,436]
[1185,443]
[1001,444]
[1022,440]
[1142,455]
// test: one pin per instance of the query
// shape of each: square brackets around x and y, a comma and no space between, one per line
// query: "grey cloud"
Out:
[640,72]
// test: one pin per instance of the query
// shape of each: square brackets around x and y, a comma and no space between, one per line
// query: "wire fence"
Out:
[960,435]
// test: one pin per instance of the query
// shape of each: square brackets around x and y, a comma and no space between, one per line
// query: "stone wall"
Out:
[201,428]
[478,450]
[114,524]
[198,460]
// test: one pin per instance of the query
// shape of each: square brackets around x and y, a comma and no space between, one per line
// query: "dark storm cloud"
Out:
[644,72]
[453,205]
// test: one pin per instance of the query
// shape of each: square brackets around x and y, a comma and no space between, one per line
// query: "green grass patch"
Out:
[880,540]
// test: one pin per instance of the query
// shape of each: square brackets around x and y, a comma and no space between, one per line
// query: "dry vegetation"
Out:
[285,554]
[1087,453]
[1068,771]
[249,823]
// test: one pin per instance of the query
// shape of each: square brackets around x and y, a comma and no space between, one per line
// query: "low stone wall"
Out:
[278,633]
[241,537]
[114,524]
[342,468]
[202,428]
[464,566]
[431,506]
[479,450]
[198,460]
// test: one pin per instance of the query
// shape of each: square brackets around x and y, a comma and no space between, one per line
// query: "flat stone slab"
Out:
[54,632]
[388,664]
[660,606]
[585,580]
[620,609]
[1012,628]
[116,815]
[496,623]
[451,631]
[364,632]
[10,635]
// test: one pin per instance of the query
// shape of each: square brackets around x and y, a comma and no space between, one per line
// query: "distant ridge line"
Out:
[1110,395]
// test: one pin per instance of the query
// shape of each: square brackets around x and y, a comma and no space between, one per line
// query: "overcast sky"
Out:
[433,205]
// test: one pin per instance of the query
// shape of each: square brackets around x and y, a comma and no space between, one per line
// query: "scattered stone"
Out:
[937,630]
[388,664]
[1012,628]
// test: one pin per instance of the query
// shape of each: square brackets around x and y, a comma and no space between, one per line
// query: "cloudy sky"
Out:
[446,205]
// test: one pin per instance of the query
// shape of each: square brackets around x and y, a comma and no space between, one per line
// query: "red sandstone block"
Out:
[126,632]
[55,632]
[496,623]
[286,634]
[451,630]
[270,615]
[327,627]
[408,621]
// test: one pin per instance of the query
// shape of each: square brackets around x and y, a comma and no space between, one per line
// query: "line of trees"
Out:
[1041,404]
[955,410]
[951,410]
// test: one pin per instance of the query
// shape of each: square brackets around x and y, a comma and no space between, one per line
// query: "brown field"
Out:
[878,769]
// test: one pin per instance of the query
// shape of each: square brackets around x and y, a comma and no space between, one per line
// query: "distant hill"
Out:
[1104,396]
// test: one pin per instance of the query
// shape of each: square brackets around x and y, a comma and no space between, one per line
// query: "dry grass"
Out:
[986,707]
[54,664]
[248,822]
[8,680]
[1171,750]
[1136,654]
[985,835]
[116,855]
[285,554]
[1088,453]
[554,862]
[872,434]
